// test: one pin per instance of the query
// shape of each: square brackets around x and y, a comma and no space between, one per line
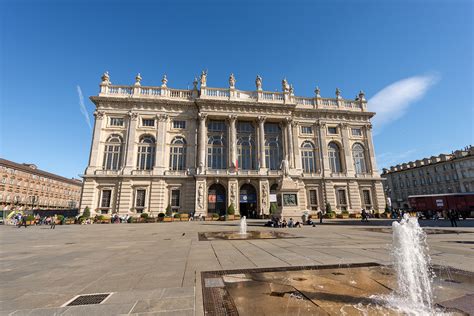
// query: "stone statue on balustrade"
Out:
[285,167]
[258,83]
[203,78]
[232,81]
[284,85]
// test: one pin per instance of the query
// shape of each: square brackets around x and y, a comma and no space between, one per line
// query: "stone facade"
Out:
[446,173]
[206,148]
[25,187]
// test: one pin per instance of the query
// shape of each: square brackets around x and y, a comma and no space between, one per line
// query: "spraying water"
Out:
[243,226]
[411,263]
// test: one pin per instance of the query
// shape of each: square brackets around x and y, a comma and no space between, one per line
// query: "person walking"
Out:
[453,218]
[321,215]
[364,216]
[53,222]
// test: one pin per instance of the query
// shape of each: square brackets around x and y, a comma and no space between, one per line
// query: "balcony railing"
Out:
[107,172]
[164,92]
[142,172]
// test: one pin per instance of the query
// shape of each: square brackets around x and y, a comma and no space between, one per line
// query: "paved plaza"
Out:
[156,268]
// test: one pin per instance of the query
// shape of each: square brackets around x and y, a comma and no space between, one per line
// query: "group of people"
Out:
[20,220]
[277,222]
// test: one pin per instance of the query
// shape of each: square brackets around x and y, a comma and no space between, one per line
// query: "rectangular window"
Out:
[366,197]
[148,122]
[106,196]
[306,130]
[216,126]
[313,199]
[179,124]
[116,121]
[332,130]
[140,200]
[356,132]
[341,199]
[175,199]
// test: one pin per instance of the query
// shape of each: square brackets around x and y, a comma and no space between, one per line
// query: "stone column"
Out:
[296,147]
[348,161]
[201,197]
[233,194]
[264,197]
[160,158]
[261,134]
[201,167]
[94,162]
[289,135]
[232,141]
[130,163]
[371,163]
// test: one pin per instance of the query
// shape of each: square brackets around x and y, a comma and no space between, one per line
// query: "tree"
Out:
[273,208]
[328,208]
[169,211]
[87,212]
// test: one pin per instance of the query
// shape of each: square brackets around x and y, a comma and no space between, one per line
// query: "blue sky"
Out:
[414,59]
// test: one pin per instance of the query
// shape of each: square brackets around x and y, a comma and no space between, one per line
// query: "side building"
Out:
[25,187]
[445,173]
[205,149]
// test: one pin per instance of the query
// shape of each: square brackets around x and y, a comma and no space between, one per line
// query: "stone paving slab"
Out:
[154,268]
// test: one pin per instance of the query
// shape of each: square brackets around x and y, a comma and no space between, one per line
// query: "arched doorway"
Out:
[248,201]
[216,199]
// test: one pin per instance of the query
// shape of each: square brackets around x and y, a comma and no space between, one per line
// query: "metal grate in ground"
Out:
[88,299]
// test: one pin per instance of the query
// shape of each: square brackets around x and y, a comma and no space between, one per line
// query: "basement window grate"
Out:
[88,299]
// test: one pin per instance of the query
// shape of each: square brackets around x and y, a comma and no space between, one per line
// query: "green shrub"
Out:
[345,212]
[29,218]
[177,215]
[215,215]
[231,209]
[87,212]
[130,219]
[144,215]
[328,208]
[169,211]
[161,215]
[273,208]
[60,218]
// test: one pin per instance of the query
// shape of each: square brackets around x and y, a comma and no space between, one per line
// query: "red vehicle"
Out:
[431,203]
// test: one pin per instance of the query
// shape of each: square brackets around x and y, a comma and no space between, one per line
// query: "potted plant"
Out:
[329,212]
[176,217]
[161,216]
[169,211]
[143,217]
[231,212]
[184,216]
[60,219]
[215,216]
[87,213]
[30,219]
[345,214]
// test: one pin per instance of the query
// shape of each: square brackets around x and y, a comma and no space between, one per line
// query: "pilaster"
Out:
[264,205]
[232,142]
[261,144]
[161,131]
[202,143]
[372,164]
[130,149]
[348,161]
[94,162]
[232,194]
[201,197]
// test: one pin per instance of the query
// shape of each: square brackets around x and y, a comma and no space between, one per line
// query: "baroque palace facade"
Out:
[205,148]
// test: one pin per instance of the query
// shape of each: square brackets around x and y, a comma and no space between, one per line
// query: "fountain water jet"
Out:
[243,226]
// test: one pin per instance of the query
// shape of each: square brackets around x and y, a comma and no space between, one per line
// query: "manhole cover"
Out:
[88,299]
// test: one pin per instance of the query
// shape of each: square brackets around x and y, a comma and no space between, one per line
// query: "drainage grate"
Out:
[88,299]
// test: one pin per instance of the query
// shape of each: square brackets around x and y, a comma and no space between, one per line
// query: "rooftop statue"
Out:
[285,86]
[258,82]
[203,78]
[232,81]
[164,81]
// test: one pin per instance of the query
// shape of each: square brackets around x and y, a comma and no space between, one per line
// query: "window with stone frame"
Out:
[273,146]
[246,147]
[217,145]
[341,199]
[306,130]
[148,122]
[179,124]
[105,200]
[116,121]
[146,153]
[332,130]
[308,157]
[358,154]
[356,132]
[313,199]
[175,199]
[367,199]
[140,195]
[334,153]
[113,153]
[178,153]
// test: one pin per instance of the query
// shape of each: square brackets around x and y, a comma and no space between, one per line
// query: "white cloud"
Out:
[393,101]
[83,108]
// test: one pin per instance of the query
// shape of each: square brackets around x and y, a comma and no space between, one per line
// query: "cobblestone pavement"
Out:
[155,268]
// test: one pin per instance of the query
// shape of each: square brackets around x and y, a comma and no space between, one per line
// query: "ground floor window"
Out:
[367,199]
[105,201]
[341,199]
[140,200]
[175,203]
[313,199]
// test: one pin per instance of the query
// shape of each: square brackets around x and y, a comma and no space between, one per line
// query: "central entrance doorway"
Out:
[248,201]
[216,199]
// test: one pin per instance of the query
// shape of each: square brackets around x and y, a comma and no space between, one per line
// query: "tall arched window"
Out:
[113,153]
[273,148]
[308,157]
[146,153]
[246,151]
[217,145]
[334,158]
[359,159]
[178,153]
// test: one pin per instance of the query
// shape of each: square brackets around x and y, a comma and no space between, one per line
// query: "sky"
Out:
[413,59]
